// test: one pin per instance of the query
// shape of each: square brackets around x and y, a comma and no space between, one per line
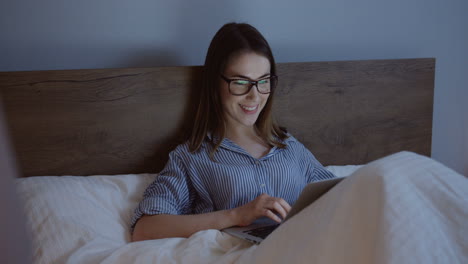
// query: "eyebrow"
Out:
[245,77]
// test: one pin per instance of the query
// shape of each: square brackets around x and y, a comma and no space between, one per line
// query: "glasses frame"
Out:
[252,84]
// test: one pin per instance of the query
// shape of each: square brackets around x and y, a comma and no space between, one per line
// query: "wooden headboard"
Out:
[116,121]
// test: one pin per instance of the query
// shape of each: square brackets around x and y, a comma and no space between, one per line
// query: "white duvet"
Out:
[404,208]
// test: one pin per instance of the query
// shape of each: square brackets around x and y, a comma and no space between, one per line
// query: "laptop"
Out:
[258,231]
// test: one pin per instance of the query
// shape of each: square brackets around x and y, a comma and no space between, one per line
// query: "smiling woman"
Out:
[240,53]
[238,166]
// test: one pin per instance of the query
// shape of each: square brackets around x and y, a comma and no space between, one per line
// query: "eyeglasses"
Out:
[239,86]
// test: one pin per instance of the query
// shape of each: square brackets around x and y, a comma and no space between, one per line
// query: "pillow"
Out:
[69,215]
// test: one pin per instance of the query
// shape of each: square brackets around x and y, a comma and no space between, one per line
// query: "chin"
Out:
[249,122]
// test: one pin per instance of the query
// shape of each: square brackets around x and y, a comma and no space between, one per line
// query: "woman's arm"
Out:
[165,225]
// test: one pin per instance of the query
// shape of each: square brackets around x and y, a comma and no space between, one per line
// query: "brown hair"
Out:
[231,39]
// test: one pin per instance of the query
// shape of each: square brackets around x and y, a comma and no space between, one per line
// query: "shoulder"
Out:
[294,145]
[291,141]
[184,153]
[182,150]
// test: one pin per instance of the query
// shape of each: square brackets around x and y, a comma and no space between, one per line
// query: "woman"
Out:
[238,164]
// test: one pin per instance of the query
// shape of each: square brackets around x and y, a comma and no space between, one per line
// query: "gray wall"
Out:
[60,34]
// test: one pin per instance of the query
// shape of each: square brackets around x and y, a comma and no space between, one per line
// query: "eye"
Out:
[264,81]
[240,82]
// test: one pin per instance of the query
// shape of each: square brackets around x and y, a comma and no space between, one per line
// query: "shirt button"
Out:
[262,185]
[257,162]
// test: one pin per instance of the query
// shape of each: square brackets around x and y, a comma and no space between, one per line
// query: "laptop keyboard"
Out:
[261,232]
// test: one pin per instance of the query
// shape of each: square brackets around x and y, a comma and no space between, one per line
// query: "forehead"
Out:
[249,64]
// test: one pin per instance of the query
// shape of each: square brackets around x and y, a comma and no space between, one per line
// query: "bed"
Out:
[88,142]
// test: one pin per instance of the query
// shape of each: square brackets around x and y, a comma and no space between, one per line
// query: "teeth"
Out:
[249,108]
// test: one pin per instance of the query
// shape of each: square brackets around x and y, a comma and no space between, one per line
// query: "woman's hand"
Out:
[263,205]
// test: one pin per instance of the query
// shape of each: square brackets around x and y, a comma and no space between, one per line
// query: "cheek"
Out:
[227,99]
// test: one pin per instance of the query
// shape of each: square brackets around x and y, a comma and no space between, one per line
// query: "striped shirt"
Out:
[192,183]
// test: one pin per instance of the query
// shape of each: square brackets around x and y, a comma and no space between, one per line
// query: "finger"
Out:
[268,213]
[275,205]
[263,197]
[285,205]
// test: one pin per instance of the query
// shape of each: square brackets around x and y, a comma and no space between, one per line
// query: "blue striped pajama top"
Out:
[191,183]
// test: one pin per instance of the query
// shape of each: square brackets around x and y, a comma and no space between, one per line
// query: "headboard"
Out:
[118,121]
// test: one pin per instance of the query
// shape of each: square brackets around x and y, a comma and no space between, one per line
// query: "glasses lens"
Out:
[239,86]
[264,85]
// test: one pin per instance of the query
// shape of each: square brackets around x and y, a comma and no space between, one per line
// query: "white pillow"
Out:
[73,216]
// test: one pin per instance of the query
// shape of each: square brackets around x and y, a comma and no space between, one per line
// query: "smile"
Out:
[249,108]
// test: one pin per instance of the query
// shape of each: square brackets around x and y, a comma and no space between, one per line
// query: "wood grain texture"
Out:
[353,112]
[116,121]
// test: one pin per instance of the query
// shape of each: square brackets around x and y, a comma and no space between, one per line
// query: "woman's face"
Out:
[243,110]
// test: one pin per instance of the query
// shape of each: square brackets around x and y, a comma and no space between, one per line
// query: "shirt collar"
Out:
[289,138]
[230,145]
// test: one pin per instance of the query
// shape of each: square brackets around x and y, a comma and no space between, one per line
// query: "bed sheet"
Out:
[402,208]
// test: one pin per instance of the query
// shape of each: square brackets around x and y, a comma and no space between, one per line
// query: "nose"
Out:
[253,93]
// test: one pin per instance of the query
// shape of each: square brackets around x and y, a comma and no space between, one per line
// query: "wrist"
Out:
[232,217]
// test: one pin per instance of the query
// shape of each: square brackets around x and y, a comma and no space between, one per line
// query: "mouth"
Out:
[249,109]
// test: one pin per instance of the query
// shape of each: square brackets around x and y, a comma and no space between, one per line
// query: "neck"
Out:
[240,133]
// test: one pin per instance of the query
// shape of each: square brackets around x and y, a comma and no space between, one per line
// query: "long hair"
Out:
[230,40]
